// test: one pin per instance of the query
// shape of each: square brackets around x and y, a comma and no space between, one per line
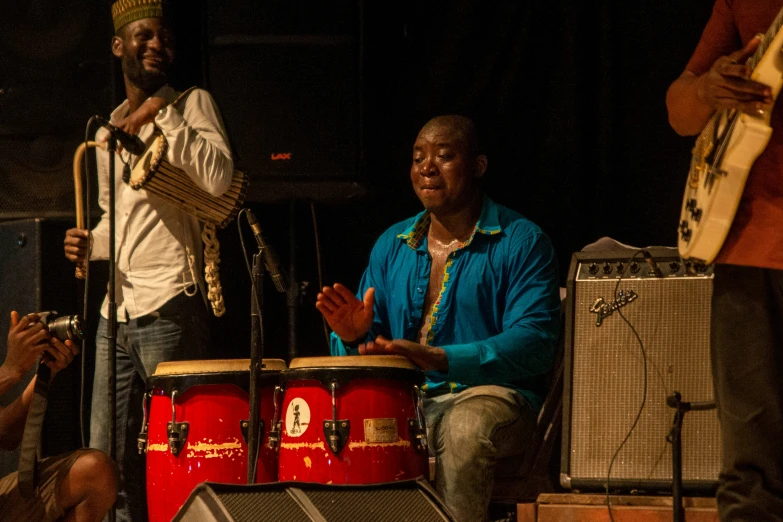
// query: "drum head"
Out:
[148,162]
[182,375]
[214,366]
[353,361]
[342,369]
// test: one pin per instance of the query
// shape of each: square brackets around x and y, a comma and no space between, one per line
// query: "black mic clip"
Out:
[130,142]
[270,257]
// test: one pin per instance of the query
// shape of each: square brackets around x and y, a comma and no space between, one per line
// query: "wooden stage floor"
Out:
[574,507]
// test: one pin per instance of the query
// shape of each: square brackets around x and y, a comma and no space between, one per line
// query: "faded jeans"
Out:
[468,432]
[177,331]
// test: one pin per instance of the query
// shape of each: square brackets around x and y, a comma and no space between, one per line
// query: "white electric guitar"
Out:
[722,157]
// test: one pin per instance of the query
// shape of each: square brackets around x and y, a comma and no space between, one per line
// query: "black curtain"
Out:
[569,96]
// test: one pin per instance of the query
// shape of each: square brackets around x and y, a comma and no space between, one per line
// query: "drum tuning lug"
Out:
[418,435]
[178,434]
[141,442]
[273,440]
[276,424]
[417,428]
[336,432]
[244,427]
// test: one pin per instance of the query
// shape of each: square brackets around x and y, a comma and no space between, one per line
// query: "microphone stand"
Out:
[111,324]
[675,437]
[256,363]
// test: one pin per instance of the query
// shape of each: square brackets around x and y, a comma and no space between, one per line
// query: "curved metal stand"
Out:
[675,437]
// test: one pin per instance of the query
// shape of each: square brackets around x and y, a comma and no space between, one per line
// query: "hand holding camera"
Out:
[41,335]
[64,332]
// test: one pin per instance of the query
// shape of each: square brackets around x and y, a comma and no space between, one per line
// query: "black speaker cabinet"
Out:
[288,82]
[35,277]
[406,500]
[54,79]
[614,329]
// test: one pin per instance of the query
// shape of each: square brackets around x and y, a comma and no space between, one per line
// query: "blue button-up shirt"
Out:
[497,315]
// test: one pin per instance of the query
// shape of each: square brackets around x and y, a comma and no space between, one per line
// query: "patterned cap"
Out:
[124,12]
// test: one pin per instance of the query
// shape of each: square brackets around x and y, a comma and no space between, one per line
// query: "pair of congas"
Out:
[328,420]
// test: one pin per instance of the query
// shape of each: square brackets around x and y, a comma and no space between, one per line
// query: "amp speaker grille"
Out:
[671,316]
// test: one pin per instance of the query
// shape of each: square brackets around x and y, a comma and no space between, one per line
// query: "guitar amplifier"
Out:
[631,341]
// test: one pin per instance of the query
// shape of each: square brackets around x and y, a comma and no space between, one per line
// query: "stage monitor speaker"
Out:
[288,82]
[605,362]
[56,65]
[406,500]
[36,277]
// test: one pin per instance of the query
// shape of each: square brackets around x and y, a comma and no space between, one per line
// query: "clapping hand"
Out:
[349,317]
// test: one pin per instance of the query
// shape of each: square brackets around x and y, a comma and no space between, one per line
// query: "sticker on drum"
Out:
[380,430]
[297,418]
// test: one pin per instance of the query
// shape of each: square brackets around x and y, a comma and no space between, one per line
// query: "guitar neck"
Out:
[767,41]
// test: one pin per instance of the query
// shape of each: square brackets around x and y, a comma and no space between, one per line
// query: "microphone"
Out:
[270,258]
[653,265]
[131,143]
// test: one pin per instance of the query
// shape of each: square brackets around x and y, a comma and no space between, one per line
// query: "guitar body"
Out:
[720,164]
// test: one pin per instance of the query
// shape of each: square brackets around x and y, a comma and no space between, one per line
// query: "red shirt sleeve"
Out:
[719,38]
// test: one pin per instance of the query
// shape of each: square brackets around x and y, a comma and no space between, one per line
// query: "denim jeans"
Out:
[746,346]
[468,432]
[176,331]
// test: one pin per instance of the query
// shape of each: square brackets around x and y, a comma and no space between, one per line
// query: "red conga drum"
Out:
[198,415]
[352,420]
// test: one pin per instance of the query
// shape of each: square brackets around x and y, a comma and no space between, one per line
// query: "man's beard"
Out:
[143,78]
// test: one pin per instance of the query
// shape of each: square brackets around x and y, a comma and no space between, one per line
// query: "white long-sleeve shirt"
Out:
[154,238]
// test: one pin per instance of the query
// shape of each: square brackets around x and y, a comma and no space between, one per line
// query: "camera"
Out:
[66,327]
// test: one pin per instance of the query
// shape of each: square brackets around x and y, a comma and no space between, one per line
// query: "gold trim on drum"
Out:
[214,366]
[376,361]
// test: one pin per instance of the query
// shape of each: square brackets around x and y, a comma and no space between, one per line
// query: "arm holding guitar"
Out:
[691,100]
[738,92]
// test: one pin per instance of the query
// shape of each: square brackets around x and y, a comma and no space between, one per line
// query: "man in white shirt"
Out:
[160,316]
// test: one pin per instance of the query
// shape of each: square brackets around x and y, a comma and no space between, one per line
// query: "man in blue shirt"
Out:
[468,291]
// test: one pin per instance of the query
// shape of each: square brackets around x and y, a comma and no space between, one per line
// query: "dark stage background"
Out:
[569,95]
